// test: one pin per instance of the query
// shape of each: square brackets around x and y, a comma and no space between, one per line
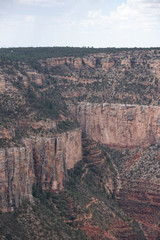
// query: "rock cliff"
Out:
[120,125]
[42,161]
[136,128]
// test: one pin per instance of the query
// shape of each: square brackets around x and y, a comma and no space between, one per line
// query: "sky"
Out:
[79,23]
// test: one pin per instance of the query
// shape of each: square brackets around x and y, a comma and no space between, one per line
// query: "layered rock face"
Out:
[16,177]
[127,76]
[120,125]
[96,60]
[138,175]
[141,199]
[139,187]
[42,161]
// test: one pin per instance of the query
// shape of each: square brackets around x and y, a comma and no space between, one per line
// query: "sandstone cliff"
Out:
[138,170]
[42,161]
[120,125]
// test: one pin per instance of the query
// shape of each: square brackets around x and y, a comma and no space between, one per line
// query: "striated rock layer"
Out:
[120,125]
[141,199]
[138,181]
[42,161]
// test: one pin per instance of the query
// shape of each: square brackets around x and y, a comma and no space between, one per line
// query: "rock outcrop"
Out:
[141,200]
[138,183]
[126,76]
[42,161]
[138,189]
[119,125]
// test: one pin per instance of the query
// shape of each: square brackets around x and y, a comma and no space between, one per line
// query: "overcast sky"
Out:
[97,23]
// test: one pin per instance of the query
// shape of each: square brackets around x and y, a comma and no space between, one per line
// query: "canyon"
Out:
[80,138]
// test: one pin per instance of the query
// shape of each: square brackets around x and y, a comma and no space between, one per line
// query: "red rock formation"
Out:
[101,60]
[120,125]
[129,126]
[16,176]
[2,84]
[6,133]
[5,84]
[141,199]
[36,78]
[42,160]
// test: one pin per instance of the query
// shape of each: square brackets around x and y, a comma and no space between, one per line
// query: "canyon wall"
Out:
[138,179]
[42,161]
[120,125]
[141,200]
[101,60]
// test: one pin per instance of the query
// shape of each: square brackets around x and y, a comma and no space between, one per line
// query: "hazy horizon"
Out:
[80,23]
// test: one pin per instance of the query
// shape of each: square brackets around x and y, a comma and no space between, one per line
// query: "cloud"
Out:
[134,14]
[43,3]
[29,19]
